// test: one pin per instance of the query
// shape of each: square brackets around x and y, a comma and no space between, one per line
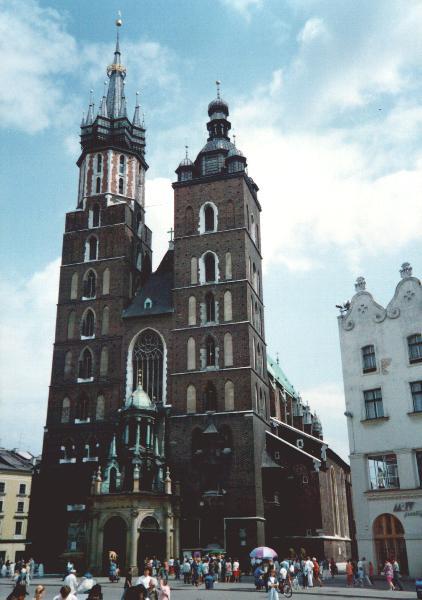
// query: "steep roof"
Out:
[15,460]
[277,372]
[156,296]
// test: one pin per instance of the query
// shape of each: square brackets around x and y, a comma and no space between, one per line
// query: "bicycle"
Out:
[286,589]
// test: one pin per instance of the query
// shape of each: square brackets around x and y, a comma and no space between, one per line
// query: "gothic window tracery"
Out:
[82,407]
[210,267]
[91,249]
[209,218]
[210,307]
[121,185]
[99,163]
[90,285]
[98,185]
[210,351]
[85,365]
[96,215]
[210,397]
[148,359]
[88,324]
[122,165]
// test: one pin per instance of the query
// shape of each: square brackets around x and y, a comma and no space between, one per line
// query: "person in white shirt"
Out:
[283,573]
[71,581]
[145,579]
[309,571]
[65,594]
[273,586]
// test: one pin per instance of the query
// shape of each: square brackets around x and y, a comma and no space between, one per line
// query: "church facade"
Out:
[167,431]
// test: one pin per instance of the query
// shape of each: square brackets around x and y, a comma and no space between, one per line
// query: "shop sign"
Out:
[407,509]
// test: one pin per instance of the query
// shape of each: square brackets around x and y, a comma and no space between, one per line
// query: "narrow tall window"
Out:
[209,262]
[210,397]
[373,404]
[90,285]
[210,351]
[71,325]
[82,407]
[194,270]
[65,416]
[415,347]
[368,359]
[191,399]
[106,281]
[92,248]
[98,185]
[121,185]
[228,350]
[104,362]
[228,310]
[383,472]
[229,395]
[105,321]
[416,389]
[419,465]
[209,218]
[139,259]
[192,311]
[74,287]
[85,365]
[210,307]
[122,165]
[88,324]
[96,215]
[191,351]
[99,163]
[228,265]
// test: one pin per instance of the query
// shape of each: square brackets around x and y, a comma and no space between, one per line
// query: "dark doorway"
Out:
[152,541]
[114,540]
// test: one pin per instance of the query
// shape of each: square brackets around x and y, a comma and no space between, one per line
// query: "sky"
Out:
[326,102]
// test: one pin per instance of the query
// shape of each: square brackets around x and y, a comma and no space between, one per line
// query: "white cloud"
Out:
[27,333]
[159,215]
[313,28]
[243,7]
[327,400]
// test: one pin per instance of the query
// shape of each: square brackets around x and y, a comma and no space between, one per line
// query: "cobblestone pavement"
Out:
[244,590]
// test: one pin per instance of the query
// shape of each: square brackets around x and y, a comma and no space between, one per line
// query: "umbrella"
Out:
[264,553]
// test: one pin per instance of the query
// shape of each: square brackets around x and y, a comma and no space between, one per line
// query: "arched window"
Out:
[121,184]
[253,228]
[228,265]
[104,362]
[122,165]
[229,395]
[105,321]
[82,407]
[228,350]
[90,284]
[230,214]
[191,399]
[100,408]
[74,287]
[228,311]
[139,223]
[96,212]
[88,324]
[71,320]
[210,307]
[210,397]
[148,359]
[194,270]
[254,277]
[68,364]
[106,281]
[256,312]
[261,404]
[139,259]
[210,351]
[113,480]
[191,350]
[98,185]
[258,359]
[189,220]
[209,218]
[85,365]
[256,398]
[65,415]
[209,264]
[99,163]
[192,311]
[91,248]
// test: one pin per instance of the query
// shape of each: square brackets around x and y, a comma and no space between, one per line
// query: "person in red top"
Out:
[371,572]
[349,573]
[316,573]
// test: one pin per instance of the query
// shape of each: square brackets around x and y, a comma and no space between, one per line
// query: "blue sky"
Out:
[325,100]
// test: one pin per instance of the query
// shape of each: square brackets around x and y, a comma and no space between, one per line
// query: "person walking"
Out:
[371,572]
[71,581]
[316,573]
[389,574]
[39,592]
[164,590]
[333,568]
[65,594]
[19,593]
[349,573]
[273,586]
[236,571]
[229,570]
[365,572]
[396,575]
[308,571]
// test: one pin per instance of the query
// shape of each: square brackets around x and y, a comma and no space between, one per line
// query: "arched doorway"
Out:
[114,539]
[152,541]
[389,541]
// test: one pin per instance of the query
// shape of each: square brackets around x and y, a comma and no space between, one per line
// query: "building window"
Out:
[99,163]
[193,270]
[88,324]
[2,487]
[19,507]
[209,263]
[74,287]
[228,265]
[228,312]
[148,359]
[82,408]
[210,398]
[414,343]
[373,404]
[18,527]
[122,165]
[191,359]
[192,310]
[22,489]
[98,185]
[106,281]
[419,465]
[85,365]
[210,351]
[210,307]
[416,388]
[229,395]
[209,218]
[65,416]
[96,215]
[121,185]
[90,285]
[105,322]
[368,359]
[191,399]
[91,249]
[1,508]
[104,362]
[383,473]
[228,350]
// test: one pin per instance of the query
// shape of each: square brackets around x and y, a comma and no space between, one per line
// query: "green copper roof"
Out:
[277,372]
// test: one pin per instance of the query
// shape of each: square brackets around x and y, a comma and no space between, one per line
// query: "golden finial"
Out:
[119,21]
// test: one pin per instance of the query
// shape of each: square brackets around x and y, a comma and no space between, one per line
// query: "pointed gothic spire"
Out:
[116,72]
[90,115]
[123,105]
[137,114]
[102,111]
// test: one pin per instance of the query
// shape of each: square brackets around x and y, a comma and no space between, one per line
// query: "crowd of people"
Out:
[297,573]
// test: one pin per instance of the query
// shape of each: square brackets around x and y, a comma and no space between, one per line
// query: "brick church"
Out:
[169,429]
